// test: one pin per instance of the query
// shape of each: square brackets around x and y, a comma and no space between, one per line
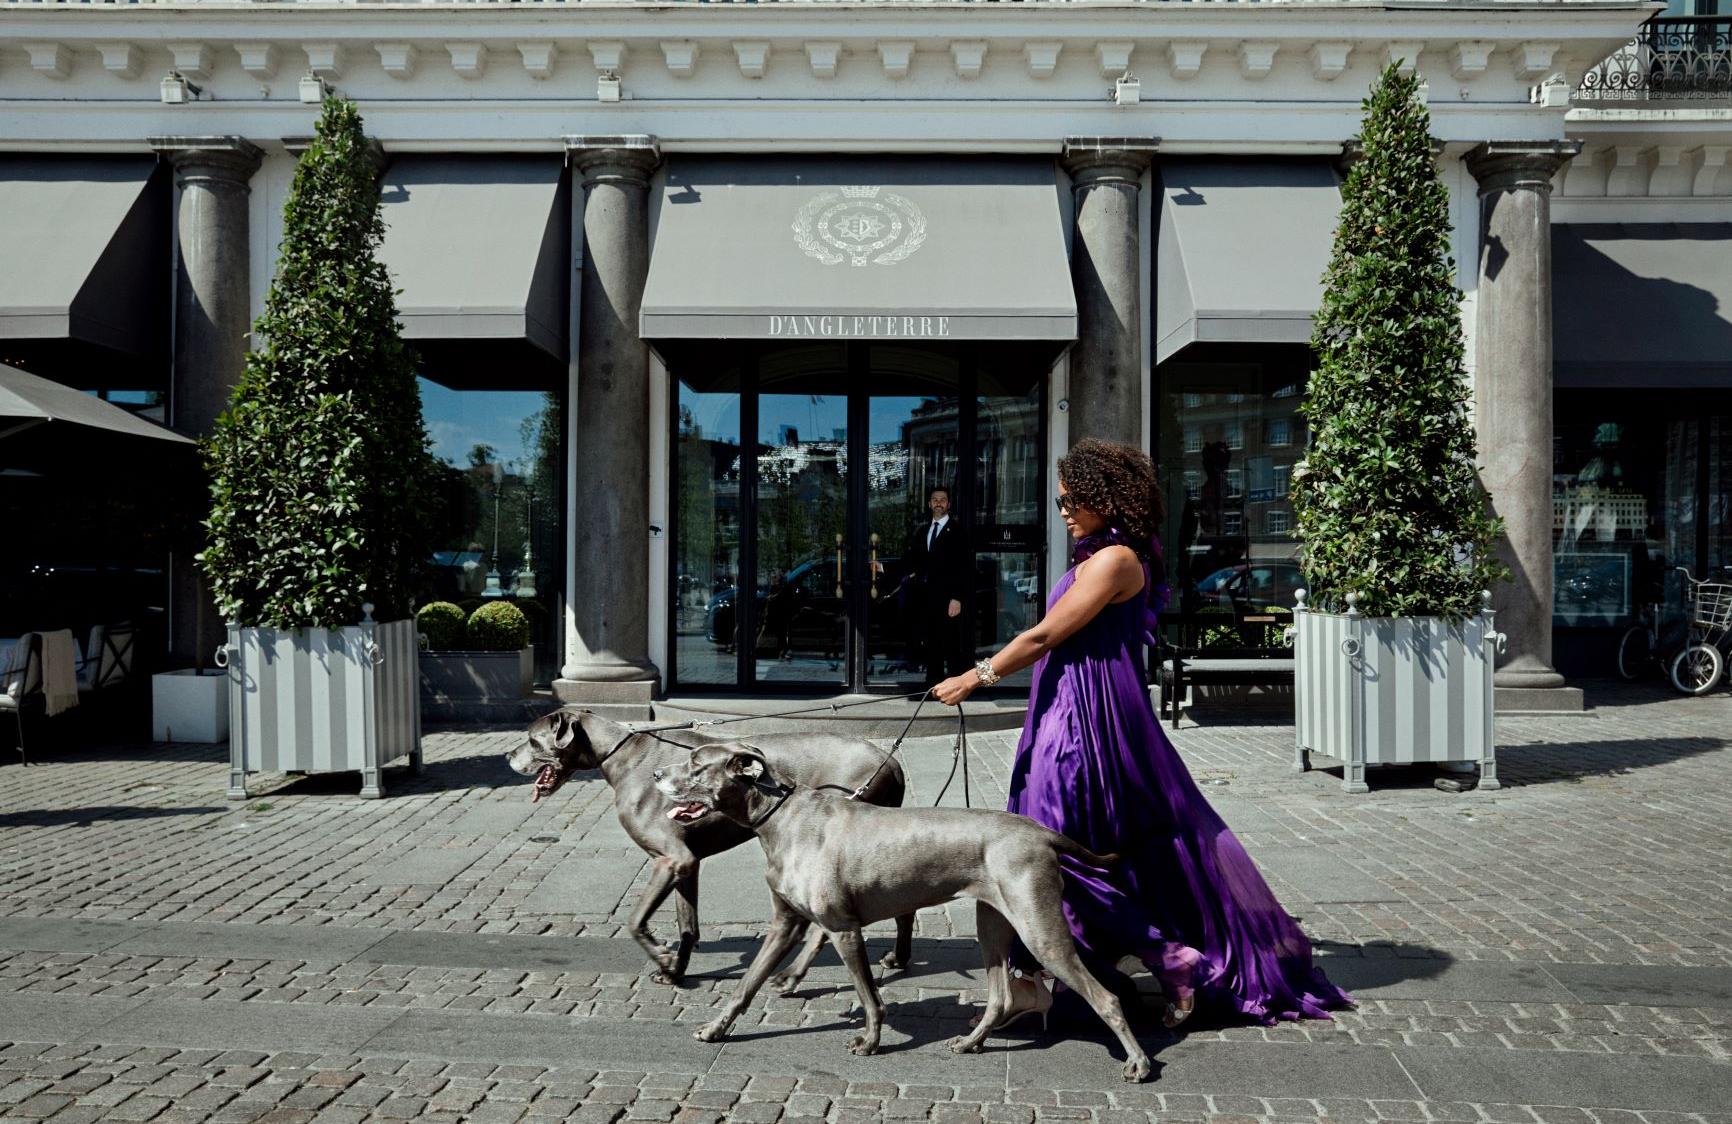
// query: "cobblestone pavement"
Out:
[1559,951]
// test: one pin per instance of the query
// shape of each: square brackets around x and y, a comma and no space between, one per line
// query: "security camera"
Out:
[176,90]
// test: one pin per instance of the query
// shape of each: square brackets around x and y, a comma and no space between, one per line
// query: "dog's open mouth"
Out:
[546,782]
[688,812]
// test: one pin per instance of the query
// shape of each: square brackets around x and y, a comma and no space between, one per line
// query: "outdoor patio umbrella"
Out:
[30,404]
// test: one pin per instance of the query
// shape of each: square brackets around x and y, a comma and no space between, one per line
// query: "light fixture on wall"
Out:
[607,85]
[1127,90]
[313,88]
[176,90]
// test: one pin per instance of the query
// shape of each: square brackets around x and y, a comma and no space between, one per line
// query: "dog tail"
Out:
[1065,845]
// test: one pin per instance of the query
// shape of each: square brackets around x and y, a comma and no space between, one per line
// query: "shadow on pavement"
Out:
[1554,762]
[60,817]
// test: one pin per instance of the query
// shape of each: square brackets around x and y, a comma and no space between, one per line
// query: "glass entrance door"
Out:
[818,509]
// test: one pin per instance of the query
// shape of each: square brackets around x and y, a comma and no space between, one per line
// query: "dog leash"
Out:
[958,755]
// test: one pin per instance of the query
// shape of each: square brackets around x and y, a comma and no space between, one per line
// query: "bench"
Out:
[1183,665]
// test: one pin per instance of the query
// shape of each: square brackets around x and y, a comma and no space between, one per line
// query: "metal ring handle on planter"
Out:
[223,655]
[375,652]
[1350,648]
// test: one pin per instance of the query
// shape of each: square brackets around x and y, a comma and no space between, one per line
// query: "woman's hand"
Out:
[956,688]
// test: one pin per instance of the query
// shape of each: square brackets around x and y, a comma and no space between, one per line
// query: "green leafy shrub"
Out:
[442,625]
[1388,500]
[498,626]
[321,478]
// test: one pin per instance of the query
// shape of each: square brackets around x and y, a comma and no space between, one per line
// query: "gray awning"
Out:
[84,252]
[859,248]
[1639,305]
[28,401]
[481,248]
[1242,249]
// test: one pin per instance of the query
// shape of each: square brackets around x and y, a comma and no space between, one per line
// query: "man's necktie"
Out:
[931,534]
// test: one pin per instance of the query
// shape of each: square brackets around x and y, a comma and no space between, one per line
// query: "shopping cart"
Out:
[1697,669]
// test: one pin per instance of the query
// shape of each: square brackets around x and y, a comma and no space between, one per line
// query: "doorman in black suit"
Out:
[941,567]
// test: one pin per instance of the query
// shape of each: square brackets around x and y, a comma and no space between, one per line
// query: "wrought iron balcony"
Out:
[1674,58]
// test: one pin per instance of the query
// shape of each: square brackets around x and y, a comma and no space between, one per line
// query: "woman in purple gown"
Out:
[1186,900]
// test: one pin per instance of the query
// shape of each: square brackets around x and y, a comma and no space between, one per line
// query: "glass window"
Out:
[503,506]
[706,533]
[1009,509]
[1193,439]
[1228,514]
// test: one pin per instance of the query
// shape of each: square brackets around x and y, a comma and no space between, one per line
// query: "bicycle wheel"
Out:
[1696,669]
[1634,653]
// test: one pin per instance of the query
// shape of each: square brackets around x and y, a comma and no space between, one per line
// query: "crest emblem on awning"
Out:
[859,225]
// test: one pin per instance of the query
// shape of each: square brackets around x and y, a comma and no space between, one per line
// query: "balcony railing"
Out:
[1674,58]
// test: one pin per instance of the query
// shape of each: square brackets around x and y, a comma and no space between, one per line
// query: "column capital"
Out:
[1518,165]
[1099,160]
[212,158]
[628,158]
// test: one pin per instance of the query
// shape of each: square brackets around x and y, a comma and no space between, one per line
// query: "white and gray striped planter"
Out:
[319,700]
[1393,691]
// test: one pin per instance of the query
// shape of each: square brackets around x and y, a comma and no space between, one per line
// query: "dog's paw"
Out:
[891,960]
[863,1044]
[961,1044]
[664,976]
[1138,1068]
[711,1031]
[784,983]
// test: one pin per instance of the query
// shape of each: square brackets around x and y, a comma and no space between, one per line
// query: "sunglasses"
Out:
[1067,504]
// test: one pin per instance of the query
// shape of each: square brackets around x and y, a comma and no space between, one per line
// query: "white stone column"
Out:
[1106,365]
[608,665]
[1513,403]
[212,316]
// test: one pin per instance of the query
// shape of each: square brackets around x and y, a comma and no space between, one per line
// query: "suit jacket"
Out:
[946,572]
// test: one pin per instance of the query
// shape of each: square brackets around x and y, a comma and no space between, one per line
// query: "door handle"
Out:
[838,567]
[873,570]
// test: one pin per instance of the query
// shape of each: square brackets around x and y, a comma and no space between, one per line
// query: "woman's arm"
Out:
[1113,575]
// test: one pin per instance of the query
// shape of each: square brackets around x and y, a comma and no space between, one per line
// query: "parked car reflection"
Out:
[1255,583]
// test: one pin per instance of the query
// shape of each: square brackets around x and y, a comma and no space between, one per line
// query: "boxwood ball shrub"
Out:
[498,626]
[321,476]
[443,625]
[1388,499]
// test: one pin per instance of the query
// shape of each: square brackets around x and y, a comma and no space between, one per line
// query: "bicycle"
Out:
[1639,651]
[1698,668]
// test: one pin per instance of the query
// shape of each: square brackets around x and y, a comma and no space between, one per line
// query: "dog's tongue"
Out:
[689,811]
[543,784]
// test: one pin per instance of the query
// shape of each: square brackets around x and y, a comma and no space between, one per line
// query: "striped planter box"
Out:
[319,700]
[1393,691]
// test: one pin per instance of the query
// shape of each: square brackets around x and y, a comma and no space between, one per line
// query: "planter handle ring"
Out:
[1350,648]
[223,655]
[375,653]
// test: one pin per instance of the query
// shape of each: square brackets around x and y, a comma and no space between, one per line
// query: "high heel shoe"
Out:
[1042,1006]
[1179,980]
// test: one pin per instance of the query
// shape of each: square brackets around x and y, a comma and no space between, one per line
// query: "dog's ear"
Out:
[747,763]
[565,728]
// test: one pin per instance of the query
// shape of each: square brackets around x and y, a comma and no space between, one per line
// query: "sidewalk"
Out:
[1559,951]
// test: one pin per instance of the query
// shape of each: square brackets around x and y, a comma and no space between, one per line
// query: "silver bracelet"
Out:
[987,676]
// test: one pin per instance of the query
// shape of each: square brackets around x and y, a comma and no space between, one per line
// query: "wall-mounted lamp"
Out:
[1127,90]
[313,88]
[176,90]
[607,85]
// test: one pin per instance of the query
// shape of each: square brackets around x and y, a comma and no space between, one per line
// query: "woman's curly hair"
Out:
[1116,481]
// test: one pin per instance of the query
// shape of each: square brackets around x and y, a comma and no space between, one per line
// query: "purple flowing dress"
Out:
[1093,764]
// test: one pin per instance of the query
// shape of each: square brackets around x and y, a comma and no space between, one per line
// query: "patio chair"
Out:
[21,683]
[107,658]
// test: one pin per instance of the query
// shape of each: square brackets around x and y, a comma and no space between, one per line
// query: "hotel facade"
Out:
[708,296]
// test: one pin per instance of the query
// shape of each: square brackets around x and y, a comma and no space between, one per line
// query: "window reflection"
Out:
[502,508]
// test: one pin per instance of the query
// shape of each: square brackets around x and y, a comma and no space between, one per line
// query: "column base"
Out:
[629,701]
[1537,700]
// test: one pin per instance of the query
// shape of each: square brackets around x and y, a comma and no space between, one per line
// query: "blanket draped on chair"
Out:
[59,671]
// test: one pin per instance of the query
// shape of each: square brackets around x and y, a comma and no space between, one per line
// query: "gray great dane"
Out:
[843,864]
[559,744]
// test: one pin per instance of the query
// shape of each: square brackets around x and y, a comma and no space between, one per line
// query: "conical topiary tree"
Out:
[1388,500]
[321,474]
